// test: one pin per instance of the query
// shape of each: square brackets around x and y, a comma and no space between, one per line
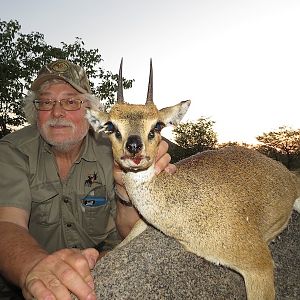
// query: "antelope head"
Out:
[133,129]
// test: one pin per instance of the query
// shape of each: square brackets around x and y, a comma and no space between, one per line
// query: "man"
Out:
[57,191]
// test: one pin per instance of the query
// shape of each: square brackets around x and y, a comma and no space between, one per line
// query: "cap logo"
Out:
[60,67]
[64,70]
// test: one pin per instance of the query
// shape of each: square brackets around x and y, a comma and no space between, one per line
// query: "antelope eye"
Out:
[151,134]
[109,128]
[118,134]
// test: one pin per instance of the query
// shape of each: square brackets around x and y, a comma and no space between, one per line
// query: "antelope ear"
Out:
[172,115]
[97,119]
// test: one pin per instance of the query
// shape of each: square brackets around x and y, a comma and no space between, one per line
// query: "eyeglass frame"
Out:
[53,102]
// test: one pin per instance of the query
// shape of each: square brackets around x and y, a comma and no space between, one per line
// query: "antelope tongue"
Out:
[136,159]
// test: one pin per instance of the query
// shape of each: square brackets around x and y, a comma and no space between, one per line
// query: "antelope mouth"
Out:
[136,159]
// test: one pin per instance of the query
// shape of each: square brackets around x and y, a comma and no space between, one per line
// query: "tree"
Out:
[282,144]
[22,56]
[230,143]
[194,137]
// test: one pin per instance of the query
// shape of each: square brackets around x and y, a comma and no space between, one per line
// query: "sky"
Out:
[238,61]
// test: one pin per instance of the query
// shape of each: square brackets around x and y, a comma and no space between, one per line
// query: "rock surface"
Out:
[154,266]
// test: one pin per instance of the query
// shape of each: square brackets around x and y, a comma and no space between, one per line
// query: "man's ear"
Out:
[97,119]
[172,115]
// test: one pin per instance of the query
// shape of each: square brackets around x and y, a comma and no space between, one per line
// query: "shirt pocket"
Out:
[96,208]
[45,206]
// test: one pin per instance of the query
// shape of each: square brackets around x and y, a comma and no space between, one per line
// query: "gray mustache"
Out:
[59,122]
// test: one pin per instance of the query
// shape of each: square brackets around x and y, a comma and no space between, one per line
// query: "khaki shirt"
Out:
[78,212]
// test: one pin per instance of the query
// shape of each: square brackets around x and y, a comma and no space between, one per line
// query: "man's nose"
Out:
[58,110]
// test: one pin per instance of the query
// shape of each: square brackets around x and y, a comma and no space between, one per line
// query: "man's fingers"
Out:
[118,174]
[62,272]
[59,286]
[171,169]
[162,163]
[91,255]
[79,262]
[67,276]
[162,149]
[163,159]
[36,289]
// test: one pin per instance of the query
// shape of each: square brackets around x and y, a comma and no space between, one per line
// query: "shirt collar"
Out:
[87,152]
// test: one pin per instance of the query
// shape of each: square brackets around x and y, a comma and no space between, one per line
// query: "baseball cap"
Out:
[64,70]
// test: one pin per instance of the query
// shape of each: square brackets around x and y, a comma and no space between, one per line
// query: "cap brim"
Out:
[43,78]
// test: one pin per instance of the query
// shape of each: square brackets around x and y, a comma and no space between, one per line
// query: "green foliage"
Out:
[228,144]
[282,144]
[23,55]
[194,137]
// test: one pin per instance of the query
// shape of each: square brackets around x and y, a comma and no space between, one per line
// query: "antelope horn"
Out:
[150,86]
[120,98]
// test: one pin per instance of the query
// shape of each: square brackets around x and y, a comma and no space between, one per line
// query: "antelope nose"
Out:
[134,144]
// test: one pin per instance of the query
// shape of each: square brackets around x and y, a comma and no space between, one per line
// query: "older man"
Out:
[57,191]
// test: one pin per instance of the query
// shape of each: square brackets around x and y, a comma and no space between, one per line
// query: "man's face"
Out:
[61,128]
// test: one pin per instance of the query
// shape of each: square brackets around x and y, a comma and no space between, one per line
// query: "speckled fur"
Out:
[223,205]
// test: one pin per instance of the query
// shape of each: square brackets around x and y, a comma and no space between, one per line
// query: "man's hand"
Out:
[58,274]
[163,159]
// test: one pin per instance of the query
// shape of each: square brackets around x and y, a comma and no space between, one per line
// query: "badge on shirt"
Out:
[91,178]
[96,196]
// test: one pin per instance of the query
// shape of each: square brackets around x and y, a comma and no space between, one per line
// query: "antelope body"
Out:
[223,205]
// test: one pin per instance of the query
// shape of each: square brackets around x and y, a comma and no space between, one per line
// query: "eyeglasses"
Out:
[67,104]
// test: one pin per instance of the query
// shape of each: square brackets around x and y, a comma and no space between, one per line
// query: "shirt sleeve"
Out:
[14,178]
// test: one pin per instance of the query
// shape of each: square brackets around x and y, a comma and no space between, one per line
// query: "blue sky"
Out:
[237,60]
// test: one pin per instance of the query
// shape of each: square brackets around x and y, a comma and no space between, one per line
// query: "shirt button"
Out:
[69,225]
[66,200]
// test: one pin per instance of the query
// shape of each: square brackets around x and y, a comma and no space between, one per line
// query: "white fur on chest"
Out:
[138,186]
[144,192]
